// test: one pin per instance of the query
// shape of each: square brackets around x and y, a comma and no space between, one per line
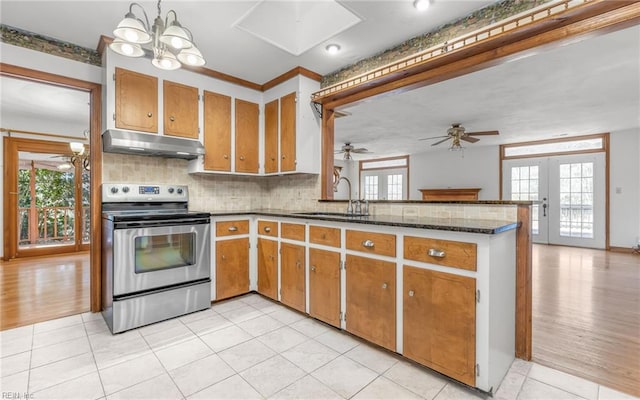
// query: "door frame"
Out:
[95,163]
[12,147]
[605,148]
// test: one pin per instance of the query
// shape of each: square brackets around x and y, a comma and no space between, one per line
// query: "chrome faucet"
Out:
[335,189]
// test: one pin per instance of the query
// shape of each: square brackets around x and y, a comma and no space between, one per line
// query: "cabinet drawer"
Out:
[324,235]
[293,231]
[268,228]
[370,242]
[442,252]
[231,228]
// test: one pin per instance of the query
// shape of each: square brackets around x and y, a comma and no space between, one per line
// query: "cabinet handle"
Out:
[149,114]
[233,228]
[298,264]
[226,157]
[436,253]
[172,118]
[384,285]
[368,243]
[241,158]
[313,268]
[411,293]
[267,229]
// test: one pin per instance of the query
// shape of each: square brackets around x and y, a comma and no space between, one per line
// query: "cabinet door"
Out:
[324,286]
[288,132]
[292,270]
[246,136]
[271,137]
[371,300]
[232,267]
[136,101]
[217,132]
[180,110]
[439,328]
[268,268]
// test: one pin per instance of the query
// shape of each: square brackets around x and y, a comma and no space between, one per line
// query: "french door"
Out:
[569,191]
[46,199]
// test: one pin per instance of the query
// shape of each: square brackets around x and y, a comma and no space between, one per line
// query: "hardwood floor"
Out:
[586,314]
[43,288]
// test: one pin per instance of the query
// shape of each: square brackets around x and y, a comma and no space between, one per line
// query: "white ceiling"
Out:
[232,50]
[587,87]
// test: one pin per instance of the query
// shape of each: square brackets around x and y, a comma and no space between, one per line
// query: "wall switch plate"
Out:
[618,190]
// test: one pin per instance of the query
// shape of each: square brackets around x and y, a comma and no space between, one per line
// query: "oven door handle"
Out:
[160,223]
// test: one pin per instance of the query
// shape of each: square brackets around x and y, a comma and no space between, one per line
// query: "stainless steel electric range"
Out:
[155,255]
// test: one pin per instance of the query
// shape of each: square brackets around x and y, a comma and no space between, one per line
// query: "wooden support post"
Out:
[523,283]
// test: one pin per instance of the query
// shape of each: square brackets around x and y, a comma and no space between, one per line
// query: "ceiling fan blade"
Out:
[441,141]
[434,137]
[469,139]
[360,150]
[482,133]
[338,151]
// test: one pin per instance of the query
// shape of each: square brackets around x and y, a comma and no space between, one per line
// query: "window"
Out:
[524,186]
[582,144]
[385,179]
[576,200]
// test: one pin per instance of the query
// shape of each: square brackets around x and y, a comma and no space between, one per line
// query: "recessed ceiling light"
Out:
[333,48]
[421,5]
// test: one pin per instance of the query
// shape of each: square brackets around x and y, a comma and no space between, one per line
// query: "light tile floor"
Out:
[245,348]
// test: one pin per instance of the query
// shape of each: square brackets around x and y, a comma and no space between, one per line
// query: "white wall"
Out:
[36,60]
[624,193]
[475,167]
[351,171]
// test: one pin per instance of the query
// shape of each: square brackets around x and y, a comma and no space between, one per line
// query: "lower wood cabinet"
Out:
[439,322]
[268,268]
[292,276]
[232,267]
[371,300]
[324,286]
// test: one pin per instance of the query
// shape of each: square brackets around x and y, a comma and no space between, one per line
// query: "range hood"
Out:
[146,144]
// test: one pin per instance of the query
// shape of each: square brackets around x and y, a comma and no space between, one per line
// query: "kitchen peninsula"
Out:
[439,291]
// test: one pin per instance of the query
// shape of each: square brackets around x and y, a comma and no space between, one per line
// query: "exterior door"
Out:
[571,191]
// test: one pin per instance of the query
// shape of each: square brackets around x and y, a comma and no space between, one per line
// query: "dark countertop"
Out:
[470,225]
[478,202]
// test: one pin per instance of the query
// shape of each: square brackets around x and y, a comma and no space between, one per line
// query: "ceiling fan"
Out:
[457,133]
[348,149]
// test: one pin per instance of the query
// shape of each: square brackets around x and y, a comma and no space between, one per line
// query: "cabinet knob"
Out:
[149,114]
[283,157]
[436,253]
[273,158]
[224,257]
[241,158]
[313,268]
[411,293]
[233,228]
[298,264]
[368,243]
[384,285]
[172,118]
[271,257]
[267,229]
[226,157]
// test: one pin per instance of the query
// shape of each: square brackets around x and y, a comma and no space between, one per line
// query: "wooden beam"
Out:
[523,283]
[326,174]
[290,74]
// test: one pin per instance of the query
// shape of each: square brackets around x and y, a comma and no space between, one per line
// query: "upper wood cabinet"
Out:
[280,135]
[271,137]
[217,132]
[288,133]
[439,322]
[180,110]
[247,136]
[136,101]
[371,300]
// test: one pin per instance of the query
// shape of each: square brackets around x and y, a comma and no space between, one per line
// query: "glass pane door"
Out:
[46,201]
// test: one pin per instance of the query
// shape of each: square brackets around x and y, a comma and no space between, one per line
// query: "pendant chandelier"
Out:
[171,44]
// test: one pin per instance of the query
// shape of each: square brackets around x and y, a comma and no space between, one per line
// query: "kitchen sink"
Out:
[329,214]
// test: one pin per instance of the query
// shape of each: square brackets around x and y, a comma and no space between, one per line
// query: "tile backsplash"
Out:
[215,192]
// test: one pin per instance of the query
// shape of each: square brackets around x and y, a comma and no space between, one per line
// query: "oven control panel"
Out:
[131,192]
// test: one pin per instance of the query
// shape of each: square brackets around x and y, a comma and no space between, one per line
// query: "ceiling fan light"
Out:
[77,148]
[456,147]
[192,57]
[64,166]
[132,30]
[166,61]
[126,49]
[176,36]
